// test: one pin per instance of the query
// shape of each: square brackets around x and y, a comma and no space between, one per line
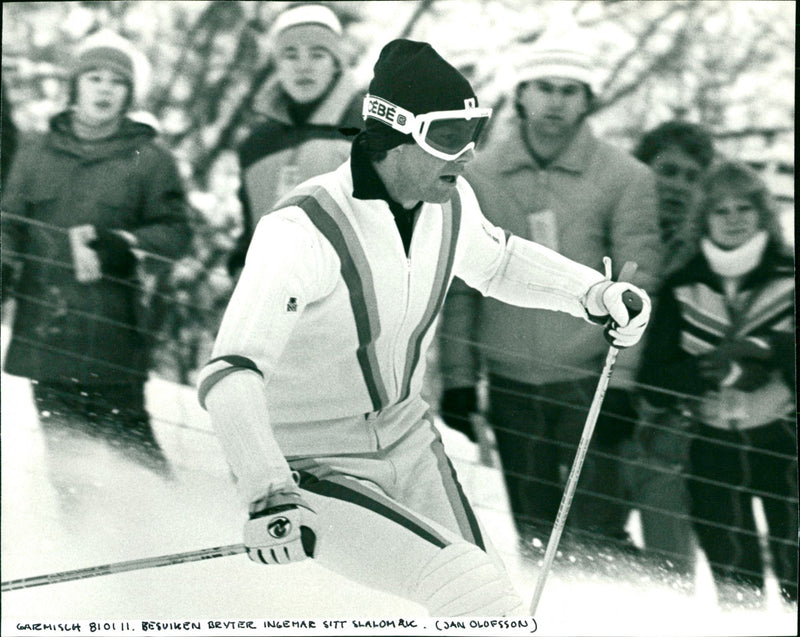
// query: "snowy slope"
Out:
[121,512]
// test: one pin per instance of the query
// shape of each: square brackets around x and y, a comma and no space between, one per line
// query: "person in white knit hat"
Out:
[557,85]
[563,51]
[545,176]
[312,95]
[108,49]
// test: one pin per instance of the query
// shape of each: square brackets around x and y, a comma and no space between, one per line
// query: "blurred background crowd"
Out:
[143,140]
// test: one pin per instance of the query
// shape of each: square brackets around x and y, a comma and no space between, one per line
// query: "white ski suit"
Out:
[323,346]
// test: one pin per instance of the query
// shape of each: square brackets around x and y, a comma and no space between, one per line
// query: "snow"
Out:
[119,511]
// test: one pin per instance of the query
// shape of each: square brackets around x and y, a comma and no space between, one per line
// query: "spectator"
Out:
[546,177]
[722,344]
[312,97]
[9,132]
[82,198]
[9,141]
[679,153]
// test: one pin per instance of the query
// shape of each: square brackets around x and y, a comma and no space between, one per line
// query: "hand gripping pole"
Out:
[121,567]
[588,429]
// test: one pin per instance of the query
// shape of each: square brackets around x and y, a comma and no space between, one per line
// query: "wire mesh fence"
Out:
[776,498]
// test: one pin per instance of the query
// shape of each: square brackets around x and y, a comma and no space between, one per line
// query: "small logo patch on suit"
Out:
[291,304]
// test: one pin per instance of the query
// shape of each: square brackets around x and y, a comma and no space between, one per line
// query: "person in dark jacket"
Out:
[679,153]
[9,147]
[312,96]
[721,350]
[81,201]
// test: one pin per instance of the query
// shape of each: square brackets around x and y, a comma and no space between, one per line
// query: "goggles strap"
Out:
[418,126]
[390,114]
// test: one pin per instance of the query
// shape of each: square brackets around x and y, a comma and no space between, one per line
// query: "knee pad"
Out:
[461,580]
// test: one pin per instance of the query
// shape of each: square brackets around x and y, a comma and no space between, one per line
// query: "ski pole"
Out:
[634,307]
[120,567]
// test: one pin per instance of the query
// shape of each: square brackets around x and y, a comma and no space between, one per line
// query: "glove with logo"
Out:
[281,529]
[627,307]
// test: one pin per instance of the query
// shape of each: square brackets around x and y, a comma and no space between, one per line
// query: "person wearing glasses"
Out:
[314,386]
[545,176]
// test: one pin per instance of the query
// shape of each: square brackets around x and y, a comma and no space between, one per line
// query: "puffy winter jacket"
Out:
[65,330]
[594,200]
[279,154]
[694,318]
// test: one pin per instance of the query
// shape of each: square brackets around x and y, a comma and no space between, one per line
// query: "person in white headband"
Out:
[311,97]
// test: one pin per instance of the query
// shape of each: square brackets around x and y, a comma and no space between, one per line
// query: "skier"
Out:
[314,385]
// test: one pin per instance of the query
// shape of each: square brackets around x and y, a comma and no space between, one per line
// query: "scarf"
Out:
[739,261]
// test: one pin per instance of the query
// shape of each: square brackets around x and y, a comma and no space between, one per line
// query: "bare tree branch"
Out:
[163,98]
[422,7]
[641,43]
[244,107]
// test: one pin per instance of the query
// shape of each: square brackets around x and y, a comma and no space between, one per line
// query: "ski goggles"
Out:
[444,134]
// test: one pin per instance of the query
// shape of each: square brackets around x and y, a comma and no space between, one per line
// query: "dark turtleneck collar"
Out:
[300,112]
[367,184]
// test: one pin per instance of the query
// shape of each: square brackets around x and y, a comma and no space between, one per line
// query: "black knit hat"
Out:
[414,76]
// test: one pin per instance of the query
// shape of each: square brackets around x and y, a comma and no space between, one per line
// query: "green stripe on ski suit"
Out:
[330,220]
[319,479]
[465,516]
[451,222]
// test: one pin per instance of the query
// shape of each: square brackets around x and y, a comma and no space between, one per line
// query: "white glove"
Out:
[618,301]
[84,259]
[282,528]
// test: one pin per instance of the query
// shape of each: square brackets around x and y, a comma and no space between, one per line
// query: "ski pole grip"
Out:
[632,303]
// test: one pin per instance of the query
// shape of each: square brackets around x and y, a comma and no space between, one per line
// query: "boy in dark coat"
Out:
[81,200]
